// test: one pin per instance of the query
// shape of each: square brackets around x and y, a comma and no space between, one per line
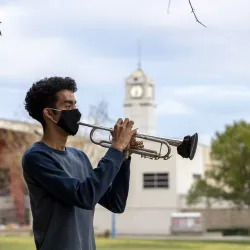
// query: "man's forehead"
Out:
[65,95]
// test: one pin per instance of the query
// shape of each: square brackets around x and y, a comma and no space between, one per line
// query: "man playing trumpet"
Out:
[63,186]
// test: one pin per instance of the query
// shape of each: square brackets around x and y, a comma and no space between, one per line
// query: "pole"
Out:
[139,54]
[113,226]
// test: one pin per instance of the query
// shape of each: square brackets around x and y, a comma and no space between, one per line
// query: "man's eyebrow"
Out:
[69,102]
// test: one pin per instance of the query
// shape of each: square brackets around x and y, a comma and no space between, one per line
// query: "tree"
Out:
[229,177]
[99,113]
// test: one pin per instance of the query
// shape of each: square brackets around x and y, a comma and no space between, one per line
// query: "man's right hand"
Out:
[122,134]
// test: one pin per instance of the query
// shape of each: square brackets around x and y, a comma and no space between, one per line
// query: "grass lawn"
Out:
[26,243]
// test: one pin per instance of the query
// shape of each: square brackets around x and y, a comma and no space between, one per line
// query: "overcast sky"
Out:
[202,74]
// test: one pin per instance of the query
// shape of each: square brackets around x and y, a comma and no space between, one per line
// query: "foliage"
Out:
[229,177]
[105,234]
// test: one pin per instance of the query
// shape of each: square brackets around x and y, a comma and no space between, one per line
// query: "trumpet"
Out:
[185,148]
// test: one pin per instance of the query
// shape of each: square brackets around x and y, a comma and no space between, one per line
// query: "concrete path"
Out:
[189,238]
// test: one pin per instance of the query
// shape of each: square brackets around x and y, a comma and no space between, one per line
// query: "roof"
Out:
[33,128]
[20,126]
[83,143]
[139,76]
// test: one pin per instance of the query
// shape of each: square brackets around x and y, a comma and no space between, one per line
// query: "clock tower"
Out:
[139,104]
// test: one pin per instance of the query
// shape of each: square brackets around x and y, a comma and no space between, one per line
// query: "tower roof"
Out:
[139,76]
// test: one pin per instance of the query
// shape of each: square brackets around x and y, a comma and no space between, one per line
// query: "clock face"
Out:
[136,91]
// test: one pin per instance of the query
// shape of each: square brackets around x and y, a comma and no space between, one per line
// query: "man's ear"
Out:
[47,113]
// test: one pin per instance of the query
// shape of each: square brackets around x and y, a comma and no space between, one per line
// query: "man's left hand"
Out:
[134,144]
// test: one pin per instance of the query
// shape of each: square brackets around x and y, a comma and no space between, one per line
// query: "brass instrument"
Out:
[186,148]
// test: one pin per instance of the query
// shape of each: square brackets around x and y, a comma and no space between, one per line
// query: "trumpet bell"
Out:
[187,148]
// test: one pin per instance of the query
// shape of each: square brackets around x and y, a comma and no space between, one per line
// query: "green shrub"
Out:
[231,231]
[107,234]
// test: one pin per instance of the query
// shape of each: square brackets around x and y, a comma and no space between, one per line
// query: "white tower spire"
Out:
[139,103]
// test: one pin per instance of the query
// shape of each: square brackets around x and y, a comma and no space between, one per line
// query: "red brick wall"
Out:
[12,146]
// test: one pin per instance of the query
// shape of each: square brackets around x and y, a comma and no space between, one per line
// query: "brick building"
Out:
[15,138]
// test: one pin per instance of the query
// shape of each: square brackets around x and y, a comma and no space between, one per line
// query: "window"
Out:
[4,181]
[155,180]
[146,104]
[196,176]
[128,105]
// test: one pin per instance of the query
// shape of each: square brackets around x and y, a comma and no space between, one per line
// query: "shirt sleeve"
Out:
[86,194]
[115,198]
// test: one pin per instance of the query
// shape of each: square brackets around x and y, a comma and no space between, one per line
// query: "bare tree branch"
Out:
[192,11]
[99,113]
[169,3]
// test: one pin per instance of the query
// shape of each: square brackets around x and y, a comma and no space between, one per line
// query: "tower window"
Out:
[128,105]
[155,180]
[146,104]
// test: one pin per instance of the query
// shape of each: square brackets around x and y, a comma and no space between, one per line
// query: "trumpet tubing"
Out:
[186,147]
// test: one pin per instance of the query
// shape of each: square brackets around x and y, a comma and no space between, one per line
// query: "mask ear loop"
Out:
[52,118]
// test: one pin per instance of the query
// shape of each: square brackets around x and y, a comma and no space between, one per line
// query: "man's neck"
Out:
[55,140]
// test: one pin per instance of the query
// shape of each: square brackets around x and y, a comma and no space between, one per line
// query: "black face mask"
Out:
[68,121]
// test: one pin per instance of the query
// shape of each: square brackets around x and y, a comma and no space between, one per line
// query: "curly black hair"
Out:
[42,94]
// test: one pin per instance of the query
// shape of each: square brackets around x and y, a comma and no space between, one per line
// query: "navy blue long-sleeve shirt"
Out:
[64,189]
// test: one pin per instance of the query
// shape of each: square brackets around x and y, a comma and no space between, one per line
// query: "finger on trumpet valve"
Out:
[136,144]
